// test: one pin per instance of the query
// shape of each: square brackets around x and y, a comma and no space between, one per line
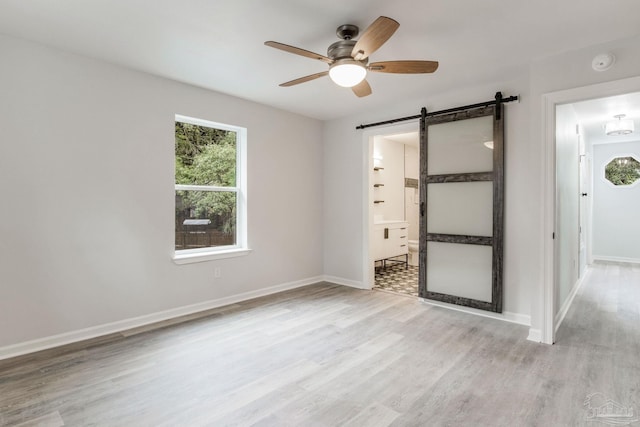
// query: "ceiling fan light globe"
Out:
[347,73]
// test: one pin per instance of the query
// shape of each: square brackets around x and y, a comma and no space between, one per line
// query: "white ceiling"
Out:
[593,115]
[218,44]
[409,138]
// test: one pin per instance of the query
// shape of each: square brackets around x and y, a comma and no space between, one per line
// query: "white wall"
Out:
[411,195]
[86,176]
[616,229]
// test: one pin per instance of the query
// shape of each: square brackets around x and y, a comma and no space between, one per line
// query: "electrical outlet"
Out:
[216,272]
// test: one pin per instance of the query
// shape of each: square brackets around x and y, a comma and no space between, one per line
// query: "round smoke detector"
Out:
[603,62]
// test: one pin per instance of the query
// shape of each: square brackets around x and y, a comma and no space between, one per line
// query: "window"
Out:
[210,200]
[622,171]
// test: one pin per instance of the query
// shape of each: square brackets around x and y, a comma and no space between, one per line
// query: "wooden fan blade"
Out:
[305,79]
[362,89]
[298,51]
[373,37]
[404,67]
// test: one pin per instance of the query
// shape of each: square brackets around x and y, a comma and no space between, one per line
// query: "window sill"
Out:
[209,256]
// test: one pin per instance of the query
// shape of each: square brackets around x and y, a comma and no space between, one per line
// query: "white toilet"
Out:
[414,250]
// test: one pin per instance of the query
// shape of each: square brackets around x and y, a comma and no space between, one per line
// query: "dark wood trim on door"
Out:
[459,238]
[460,177]
[498,205]
[497,178]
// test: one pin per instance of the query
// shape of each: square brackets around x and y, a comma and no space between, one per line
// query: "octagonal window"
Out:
[622,171]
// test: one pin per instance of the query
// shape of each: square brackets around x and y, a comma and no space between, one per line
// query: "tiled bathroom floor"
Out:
[397,278]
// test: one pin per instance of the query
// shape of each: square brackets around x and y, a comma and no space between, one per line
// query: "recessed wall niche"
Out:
[622,171]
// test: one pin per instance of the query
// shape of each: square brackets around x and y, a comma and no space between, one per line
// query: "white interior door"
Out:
[584,195]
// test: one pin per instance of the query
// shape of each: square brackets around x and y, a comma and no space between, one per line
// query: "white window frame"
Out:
[603,174]
[240,248]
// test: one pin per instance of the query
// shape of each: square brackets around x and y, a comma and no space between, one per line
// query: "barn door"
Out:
[462,205]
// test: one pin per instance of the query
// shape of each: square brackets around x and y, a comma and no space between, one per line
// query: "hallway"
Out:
[602,331]
[600,337]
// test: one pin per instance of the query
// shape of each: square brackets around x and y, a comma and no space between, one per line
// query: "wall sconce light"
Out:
[619,127]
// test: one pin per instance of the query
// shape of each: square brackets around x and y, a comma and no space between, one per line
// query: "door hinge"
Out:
[553,235]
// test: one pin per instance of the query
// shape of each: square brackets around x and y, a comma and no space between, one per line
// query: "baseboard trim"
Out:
[616,259]
[344,282]
[148,319]
[506,316]
[567,303]
[535,335]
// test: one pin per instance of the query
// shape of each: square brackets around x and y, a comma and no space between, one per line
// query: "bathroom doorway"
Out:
[394,210]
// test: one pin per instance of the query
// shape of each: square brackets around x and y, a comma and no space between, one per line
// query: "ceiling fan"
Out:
[348,59]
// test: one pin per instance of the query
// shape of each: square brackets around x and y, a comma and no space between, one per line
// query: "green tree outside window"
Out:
[205,156]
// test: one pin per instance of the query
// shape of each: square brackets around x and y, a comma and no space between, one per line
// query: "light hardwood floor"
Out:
[327,355]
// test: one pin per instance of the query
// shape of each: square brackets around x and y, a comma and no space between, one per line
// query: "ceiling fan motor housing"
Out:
[341,49]
[347,32]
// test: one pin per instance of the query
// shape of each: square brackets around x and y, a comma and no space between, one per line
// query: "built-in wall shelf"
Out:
[378,185]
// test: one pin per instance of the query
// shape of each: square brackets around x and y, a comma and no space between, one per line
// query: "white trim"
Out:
[344,282]
[507,316]
[535,335]
[181,258]
[616,259]
[148,319]
[180,187]
[186,256]
[241,183]
[590,187]
[368,269]
[567,303]
[547,195]
[548,207]
[206,123]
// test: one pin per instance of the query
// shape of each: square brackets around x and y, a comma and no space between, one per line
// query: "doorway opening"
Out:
[393,205]
[576,208]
